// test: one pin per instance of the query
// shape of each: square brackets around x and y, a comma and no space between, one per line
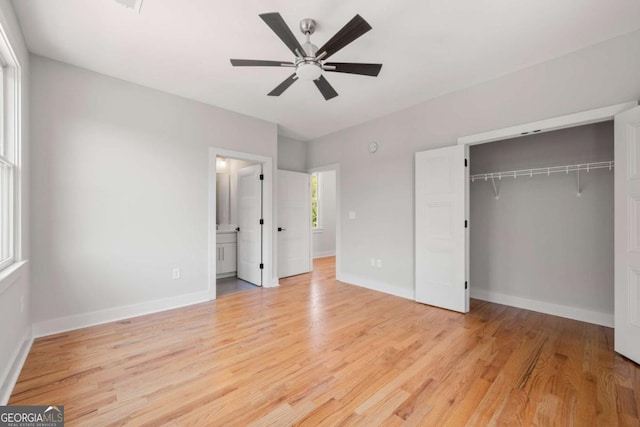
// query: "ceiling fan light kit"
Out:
[310,61]
[308,71]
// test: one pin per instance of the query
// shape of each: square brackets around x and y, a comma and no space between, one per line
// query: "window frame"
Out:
[318,226]
[10,154]
[7,213]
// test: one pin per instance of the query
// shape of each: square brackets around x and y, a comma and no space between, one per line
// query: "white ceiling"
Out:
[428,48]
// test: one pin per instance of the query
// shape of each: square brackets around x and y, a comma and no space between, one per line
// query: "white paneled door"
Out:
[441,228]
[294,223]
[249,255]
[627,234]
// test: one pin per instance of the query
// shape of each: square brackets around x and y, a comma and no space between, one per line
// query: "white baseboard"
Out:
[274,284]
[63,324]
[324,254]
[377,286]
[589,316]
[11,376]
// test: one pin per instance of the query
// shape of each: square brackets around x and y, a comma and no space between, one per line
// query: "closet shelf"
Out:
[586,167]
[543,171]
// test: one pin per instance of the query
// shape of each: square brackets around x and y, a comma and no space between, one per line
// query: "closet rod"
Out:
[543,171]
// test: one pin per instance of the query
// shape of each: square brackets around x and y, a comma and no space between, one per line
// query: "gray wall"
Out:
[292,154]
[539,240]
[120,189]
[324,240]
[379,187]
[15,319]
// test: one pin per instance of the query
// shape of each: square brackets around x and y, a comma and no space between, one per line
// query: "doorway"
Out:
[325,199]
[239,234]
[240,221]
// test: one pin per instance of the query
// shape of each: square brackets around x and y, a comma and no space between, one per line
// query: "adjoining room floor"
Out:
[316,351]
[230,285]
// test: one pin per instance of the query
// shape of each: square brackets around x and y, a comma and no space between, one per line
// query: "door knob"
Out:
[281,229]
[237,228]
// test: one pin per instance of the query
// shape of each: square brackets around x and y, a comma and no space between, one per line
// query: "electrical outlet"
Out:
[373,262]
[22,304]
[379,263]
[176,273]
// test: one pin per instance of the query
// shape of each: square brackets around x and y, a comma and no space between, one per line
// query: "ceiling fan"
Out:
[309,61]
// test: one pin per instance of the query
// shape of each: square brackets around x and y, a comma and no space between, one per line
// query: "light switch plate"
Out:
[352,215]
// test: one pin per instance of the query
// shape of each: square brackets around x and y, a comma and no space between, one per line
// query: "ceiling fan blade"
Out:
[354,29]
[259,63]
[276,23]
[284,85]
[355,68]
[325,88]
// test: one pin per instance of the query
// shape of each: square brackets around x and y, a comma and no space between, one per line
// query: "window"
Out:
[9,153]
[6,212]
[6,183]
[315,219]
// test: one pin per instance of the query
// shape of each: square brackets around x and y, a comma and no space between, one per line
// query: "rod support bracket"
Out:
[579,186]
[496,193]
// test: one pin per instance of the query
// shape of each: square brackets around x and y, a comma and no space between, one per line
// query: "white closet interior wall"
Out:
[539,241]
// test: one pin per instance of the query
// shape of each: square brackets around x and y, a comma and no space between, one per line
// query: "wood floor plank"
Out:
[316,351]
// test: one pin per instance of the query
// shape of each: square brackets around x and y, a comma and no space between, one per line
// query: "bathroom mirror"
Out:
[222,198]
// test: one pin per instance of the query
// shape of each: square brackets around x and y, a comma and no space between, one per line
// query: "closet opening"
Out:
[541,233]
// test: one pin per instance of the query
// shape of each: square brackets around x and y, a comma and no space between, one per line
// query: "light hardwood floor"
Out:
[316,351]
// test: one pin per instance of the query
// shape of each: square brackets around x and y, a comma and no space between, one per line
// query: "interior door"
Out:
[249,251]
[294,223]
[441,228]
[627,234]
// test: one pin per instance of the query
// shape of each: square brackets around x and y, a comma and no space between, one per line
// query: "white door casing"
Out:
[249,249]
[627,234]
[441,228]
[294,223]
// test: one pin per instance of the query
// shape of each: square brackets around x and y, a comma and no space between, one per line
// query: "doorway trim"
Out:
[555,123]
[333,167]
[267,214]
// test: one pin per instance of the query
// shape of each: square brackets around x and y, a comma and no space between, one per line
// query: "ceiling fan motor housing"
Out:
[310,49]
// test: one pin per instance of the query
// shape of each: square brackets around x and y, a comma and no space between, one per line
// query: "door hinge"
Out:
[466,223]
[465,163]
[466,285]
[261,221]
[261,177]
[261,266]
